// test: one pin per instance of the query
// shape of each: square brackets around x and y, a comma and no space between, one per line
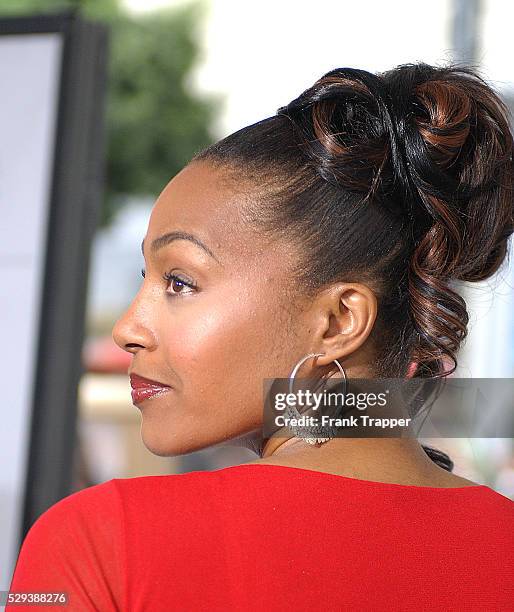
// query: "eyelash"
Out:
[168,277]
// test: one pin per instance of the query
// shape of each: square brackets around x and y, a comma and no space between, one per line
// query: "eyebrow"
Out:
[165,239]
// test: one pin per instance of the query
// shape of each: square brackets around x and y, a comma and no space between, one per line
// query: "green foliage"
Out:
[95,9]
[155,123]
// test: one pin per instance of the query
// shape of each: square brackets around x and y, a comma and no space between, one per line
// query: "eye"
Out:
[179,283]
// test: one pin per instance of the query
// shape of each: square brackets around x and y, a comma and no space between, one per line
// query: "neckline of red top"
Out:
[349,479]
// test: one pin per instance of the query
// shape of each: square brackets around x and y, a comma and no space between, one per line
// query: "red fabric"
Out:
[265,537]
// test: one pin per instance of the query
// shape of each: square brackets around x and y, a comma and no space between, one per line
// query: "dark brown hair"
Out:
[402,180]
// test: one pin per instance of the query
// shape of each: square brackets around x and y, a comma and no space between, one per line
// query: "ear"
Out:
[342,319]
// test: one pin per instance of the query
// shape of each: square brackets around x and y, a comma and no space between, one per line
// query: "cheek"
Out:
[207,334]
[221,347]
[218,350]
[196,333]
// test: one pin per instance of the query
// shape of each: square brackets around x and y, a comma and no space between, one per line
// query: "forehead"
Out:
[206,201]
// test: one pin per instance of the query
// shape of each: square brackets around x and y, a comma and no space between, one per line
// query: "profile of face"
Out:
[214,321]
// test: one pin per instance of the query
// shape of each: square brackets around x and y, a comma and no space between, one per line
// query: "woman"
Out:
[326,237]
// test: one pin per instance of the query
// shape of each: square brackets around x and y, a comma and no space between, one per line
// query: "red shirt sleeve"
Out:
[77,547]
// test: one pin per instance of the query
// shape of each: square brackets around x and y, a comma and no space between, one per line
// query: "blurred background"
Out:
[184,73]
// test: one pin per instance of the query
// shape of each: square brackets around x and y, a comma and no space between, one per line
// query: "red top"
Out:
[267,537]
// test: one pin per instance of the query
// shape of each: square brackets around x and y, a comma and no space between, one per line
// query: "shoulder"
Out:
[76,546]
[100,501]
[153,492]
[97,515]
[103,505]
[90,511]
[100,504]
[497,504]
[187,483]
[195,488]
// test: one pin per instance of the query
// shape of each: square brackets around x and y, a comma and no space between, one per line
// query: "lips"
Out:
[145,388]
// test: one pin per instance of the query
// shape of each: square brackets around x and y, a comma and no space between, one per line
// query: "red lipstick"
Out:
[144,388]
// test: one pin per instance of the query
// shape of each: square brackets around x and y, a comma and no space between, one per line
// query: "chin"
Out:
[165,444]
[169,447]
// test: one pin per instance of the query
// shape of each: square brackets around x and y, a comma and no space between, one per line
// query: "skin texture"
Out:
[245,321]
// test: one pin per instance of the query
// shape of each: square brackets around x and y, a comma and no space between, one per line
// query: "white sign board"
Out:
[29,73]
[51,156]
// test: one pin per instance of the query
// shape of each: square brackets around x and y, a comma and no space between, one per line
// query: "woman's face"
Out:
[216,342]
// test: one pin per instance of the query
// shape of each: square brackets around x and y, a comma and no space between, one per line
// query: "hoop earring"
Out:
[294,411]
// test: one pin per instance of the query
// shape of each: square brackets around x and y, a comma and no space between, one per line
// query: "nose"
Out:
[131,333]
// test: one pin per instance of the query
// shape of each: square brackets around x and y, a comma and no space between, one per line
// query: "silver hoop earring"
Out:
[294,411]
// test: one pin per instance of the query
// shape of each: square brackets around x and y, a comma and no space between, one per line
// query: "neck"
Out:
[366,458]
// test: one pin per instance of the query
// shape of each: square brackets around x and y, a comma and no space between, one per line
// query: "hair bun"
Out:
[352,129]
[459,147]
[432,143]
